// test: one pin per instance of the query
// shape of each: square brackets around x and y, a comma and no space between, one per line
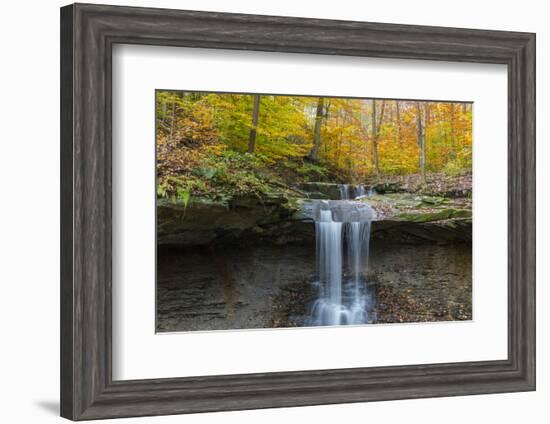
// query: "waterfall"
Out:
[344,191]
[359,191]
[358,234]
[329,264]
[352,192]
[342,229]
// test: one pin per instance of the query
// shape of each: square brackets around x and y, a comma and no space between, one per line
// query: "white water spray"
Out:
[342,230]
[355,192]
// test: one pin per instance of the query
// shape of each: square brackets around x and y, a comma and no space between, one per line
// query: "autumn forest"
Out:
[347,138]
[298,211]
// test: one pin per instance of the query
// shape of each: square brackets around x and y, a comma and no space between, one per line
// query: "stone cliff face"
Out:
[251,262]
[239,221]
[201,289]
[278,220]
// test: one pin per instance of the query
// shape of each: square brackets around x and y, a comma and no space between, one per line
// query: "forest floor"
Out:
[236,197]
[433,184]
[236,175]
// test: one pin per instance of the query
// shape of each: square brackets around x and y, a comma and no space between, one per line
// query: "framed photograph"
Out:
[264,211]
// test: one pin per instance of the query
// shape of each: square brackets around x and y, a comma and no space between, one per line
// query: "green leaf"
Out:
[207,172]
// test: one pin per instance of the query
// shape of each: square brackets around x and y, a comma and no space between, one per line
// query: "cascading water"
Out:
[359,191]
[342,230]
[351,192]
[344,191]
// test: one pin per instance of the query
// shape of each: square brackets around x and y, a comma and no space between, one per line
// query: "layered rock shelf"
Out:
[403,216]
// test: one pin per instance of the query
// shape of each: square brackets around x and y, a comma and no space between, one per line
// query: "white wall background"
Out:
[29,224]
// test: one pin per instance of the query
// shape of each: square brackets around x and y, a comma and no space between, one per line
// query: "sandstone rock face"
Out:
[201,289]
[202,223]
[318,190]
[403,217]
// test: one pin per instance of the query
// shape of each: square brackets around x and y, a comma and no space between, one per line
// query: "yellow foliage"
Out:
[191,126]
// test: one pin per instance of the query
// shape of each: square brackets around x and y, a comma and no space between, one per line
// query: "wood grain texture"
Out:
[88,33]
[66,213]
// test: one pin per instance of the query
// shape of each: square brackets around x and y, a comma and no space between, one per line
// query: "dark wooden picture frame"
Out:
[88,33]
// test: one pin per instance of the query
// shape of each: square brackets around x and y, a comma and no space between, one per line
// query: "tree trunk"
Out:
[376,133]
[453,140]
[349,120]
[324,124]
[340,137]
[255,113]
[374,139]
[173,115]
[314,153]
[398,116]
[421,138]
[382,109]
[163,113]
[425,126]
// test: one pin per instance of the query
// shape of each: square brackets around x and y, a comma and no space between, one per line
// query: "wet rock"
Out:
[422,283]
[203,222]
[202,289]
[279,220]
[318,190]
[448,230]
[232,288]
